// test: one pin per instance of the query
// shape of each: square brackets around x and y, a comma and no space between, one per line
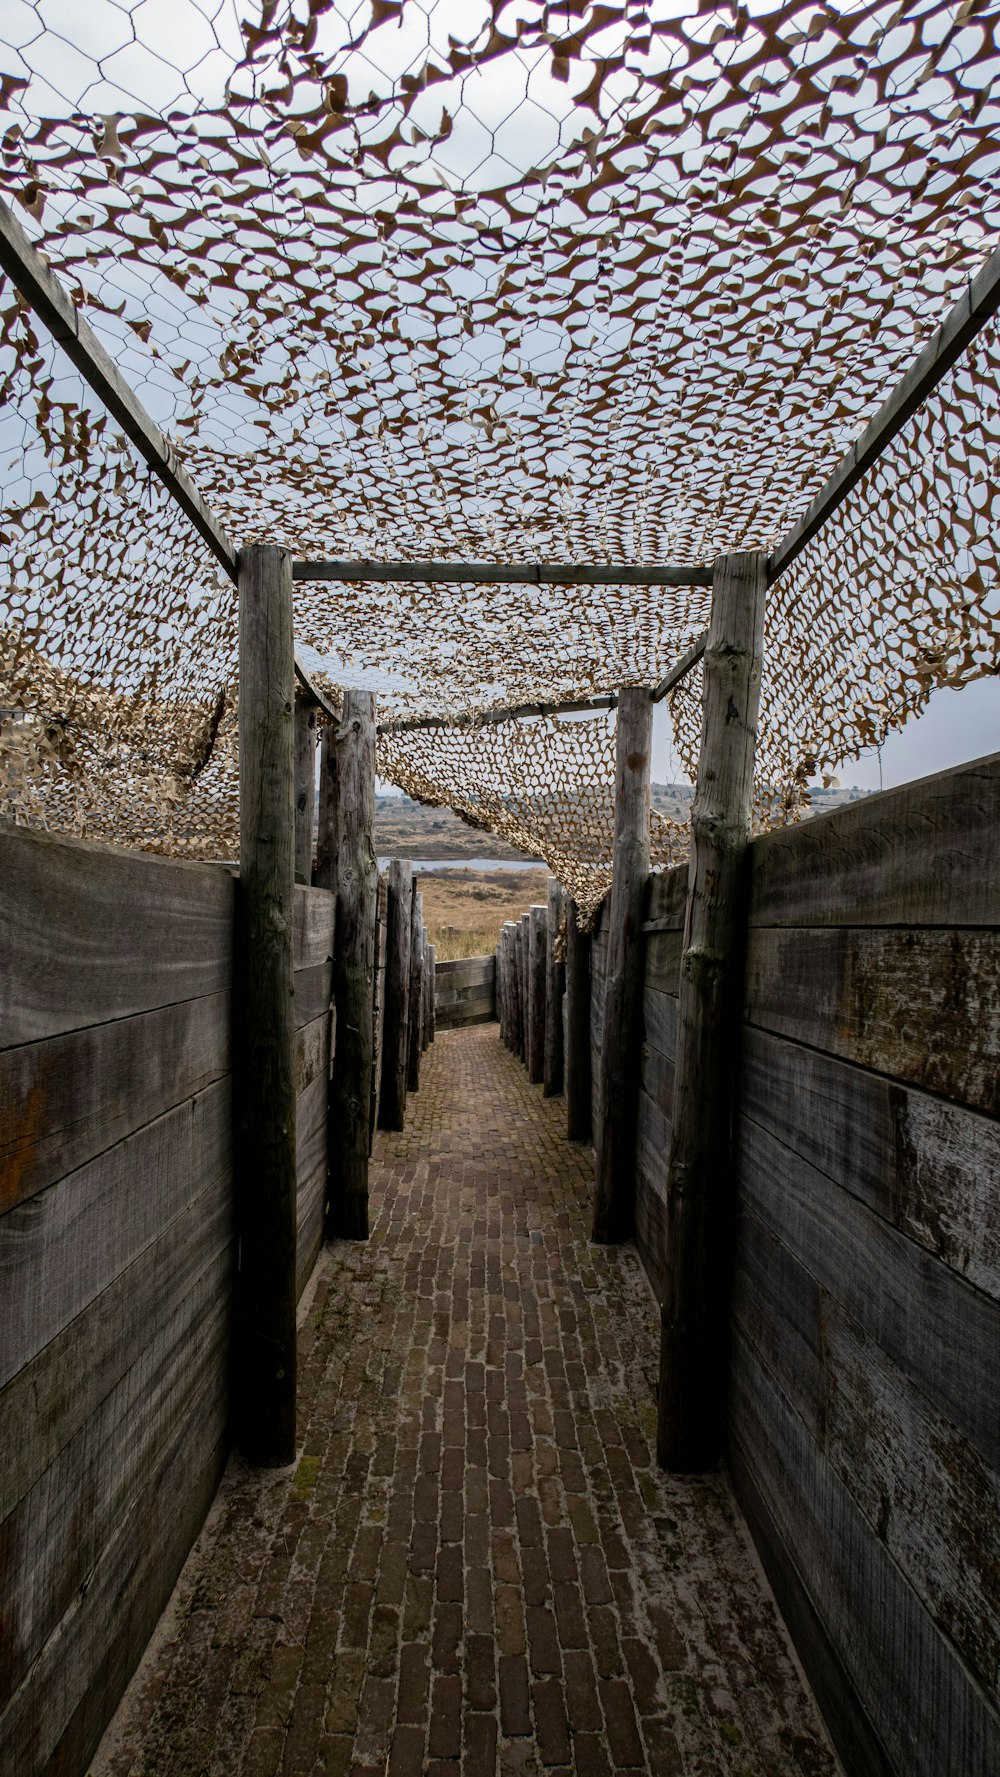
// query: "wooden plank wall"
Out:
[116,1255]
[465,992]
[865,1402]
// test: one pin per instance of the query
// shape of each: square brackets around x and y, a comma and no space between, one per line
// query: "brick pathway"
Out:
[475,1566]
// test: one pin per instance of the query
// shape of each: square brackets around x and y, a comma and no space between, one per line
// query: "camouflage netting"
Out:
[473,281]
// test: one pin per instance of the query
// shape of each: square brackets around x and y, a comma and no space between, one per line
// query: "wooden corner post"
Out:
[305,786]
[577,1061]
[555,986]
[396,1010]
[614,1137]
[695,1311]
[264,1360]
[353,970]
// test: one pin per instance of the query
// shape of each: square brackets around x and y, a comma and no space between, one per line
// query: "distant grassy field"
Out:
[465,909]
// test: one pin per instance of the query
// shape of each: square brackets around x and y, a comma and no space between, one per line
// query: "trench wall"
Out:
[465,992]
[116,1255]
[864,1417]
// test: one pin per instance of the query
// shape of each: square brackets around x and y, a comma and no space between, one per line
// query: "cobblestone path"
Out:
[475,1566]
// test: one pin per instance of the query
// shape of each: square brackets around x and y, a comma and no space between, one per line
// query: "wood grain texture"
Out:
[921,1006]
[378,1008]
[348,1129]
[667,901]
[694,1312]
[921,855]
[928,1495]
[522,975]
[264,1091]
[66,964]
[579,1118]
[921,1704]
[538,921]
[61,1249]
[66,1099]
[555,987]
[939,1331]
[392,1103]
[305,785]
[662,969]
[614,1129]
[328,813]
[414,1048]
[313,913]
[928,1167]
[659,1022]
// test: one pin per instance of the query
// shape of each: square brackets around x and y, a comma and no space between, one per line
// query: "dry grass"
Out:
[465,909]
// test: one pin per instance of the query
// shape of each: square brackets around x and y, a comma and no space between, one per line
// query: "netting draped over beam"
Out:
[450,279]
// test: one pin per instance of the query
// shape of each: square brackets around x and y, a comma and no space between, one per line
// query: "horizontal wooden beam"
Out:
[34,278]
[503,573]
[978,303]
[513,713]
[680,668]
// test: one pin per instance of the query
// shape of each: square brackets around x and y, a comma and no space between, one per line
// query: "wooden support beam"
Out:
[510,940]
[431,992]
[537,922]
[577,1060]
[524,981]
[513,713]
[353,971]
[395,1042]
[699,1209]
[305,786]
[555,984]
[978,303]
[264,1086]
[416,990]
[505,573]
[378,1008]
[328,819]
[614,1194]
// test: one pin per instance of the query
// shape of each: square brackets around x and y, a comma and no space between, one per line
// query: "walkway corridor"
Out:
[475,1566]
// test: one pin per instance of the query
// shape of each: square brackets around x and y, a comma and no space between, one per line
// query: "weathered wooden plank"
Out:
[537,922]
[305,785]
[937,1329]
[67,1098]
[466,970]
[922,1006]
[461,1017]
[579,1109]
[924,854]
[555,987]
[67,962]
[659,1020]
[614,1130]
[475,990]
[416,990]
[312,994]
[348,1129]
[927,1166]
[264,1337]
[926,1492]
[59,1714]
[662,972]
[62,1248]
[650,1229]
[392,1105]
[505,573]
[89,1487]
[667,902]
[694,1313]
[312,928]
[921,1703]
[658,1082]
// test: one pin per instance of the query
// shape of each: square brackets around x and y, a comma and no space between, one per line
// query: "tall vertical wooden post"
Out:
[524,979]
[695,1311]
[353,971]
[555,982]
[577,1060]
[305,786]
[536,994]
[264,1345]
[396,1026]
[432,993]
[416,989]
[614,1194]
[328,822]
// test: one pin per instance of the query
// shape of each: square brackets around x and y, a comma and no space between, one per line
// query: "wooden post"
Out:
[432,992]
[426,996]
[378,1007]
[503,985]
[305,786]
[614,1194]
[695,1311]
[416,990]
[555,983]
[264,1344]
[523,946]
[353,971]
[396,1028]
[327,826]
[577,1061]
[536,994]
